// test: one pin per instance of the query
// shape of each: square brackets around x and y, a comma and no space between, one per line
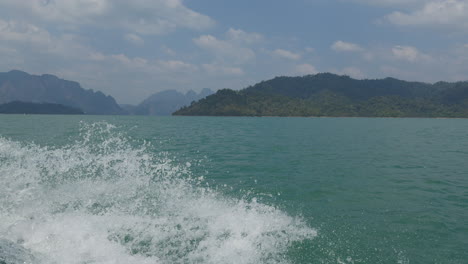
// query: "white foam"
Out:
[100,200]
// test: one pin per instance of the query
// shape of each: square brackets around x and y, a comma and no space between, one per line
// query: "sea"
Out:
[127,189]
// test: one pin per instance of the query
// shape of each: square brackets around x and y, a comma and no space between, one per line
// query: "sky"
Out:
[132,49]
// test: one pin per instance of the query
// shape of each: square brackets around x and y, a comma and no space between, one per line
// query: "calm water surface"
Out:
[104,189]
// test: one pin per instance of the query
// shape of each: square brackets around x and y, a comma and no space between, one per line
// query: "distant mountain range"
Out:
[21,86]
[166,102]
[323,94]
[18,86]
[17,107]
[328,94]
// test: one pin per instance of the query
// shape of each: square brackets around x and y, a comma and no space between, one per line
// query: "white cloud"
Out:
[23,32]
[137,16]
[241,36]
[236,48]
[31,39]
[342,46]
[409,53]
[177,66]
[132,63]
[215,69]
[453,13]
[36,50]
[286,54]
[134,39]
[66,11]
[389,2]
[129,79]
[305,69]
[224,50]
[447,65]
[144,65]
[168,51]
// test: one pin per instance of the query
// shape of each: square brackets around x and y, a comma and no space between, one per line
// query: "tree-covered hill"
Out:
[328,94]
[18,107]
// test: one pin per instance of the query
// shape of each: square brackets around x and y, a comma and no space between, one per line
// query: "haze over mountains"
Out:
[168,101]
[323,94]
[21,86]
[18,86]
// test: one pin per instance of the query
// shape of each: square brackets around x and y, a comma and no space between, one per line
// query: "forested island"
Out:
[327,94]
[18,107]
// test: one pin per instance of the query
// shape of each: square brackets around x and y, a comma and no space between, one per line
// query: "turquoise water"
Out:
[98,189]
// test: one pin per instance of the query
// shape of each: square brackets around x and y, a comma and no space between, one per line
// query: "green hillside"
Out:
[17,107]
[328,94]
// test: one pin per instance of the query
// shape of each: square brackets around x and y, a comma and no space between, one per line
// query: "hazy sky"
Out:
[133,48]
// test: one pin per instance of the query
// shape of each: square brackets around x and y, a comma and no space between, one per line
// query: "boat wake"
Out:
[106,199]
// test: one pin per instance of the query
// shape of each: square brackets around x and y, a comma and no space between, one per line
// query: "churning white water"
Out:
[103,200]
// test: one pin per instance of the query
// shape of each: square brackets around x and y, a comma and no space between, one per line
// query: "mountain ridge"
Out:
[327,94]
[17,85]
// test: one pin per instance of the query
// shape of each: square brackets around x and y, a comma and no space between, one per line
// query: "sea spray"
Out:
[106,198]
